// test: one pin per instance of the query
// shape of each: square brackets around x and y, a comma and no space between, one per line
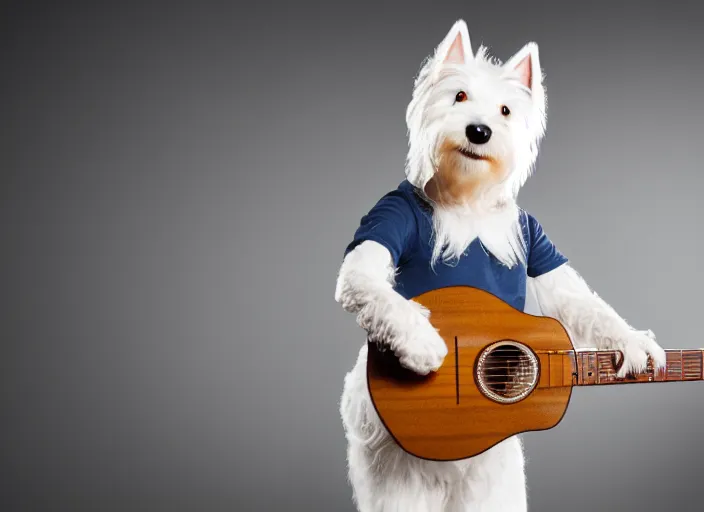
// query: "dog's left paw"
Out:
[637,348]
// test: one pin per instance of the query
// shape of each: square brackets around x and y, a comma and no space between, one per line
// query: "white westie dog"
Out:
[474,129]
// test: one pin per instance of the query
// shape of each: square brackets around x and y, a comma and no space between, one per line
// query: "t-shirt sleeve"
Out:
[391,223]
[543,256]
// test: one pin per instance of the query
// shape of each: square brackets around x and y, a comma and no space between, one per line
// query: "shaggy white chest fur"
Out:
[499,232]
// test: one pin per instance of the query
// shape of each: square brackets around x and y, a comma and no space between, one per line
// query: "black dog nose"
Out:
[478,133]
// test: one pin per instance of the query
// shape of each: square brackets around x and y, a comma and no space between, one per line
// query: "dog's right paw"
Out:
[419,347]
[404,327]
[422,356]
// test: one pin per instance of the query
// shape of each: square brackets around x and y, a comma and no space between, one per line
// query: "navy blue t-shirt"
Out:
[401,221]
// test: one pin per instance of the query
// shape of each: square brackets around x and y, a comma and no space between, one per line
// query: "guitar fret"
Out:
[558,368]
[587,368]
[674,365]
[659,375]
[605,368]
[692,364]
[596,367]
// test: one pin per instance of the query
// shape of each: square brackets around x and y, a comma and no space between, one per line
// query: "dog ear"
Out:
[456,48]
[525,64]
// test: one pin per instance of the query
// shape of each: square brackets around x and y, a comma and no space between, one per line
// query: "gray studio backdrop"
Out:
[179,183]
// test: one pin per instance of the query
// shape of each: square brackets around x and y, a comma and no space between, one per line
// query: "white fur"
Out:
[591,323]
[384,478]
[432,116]
[364,287]
[499,231]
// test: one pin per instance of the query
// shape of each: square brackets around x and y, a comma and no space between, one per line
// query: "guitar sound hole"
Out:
[507,372]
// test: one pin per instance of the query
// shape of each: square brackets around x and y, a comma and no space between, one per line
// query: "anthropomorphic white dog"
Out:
[474,129]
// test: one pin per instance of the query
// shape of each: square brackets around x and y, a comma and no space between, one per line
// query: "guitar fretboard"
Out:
[598,367]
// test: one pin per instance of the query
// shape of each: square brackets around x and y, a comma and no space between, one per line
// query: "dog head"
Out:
[474,124]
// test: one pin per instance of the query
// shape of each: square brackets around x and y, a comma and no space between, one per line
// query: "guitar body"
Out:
[506,372]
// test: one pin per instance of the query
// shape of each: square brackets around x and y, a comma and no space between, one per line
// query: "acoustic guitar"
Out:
[506,372]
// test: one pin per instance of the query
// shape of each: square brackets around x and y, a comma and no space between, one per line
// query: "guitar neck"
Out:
[599,367]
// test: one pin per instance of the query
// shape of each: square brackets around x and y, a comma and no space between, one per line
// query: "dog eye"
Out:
[504,110]
[461,96]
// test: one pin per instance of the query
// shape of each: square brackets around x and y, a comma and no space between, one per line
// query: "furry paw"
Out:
[423,350]
[404,327]
[637,348]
